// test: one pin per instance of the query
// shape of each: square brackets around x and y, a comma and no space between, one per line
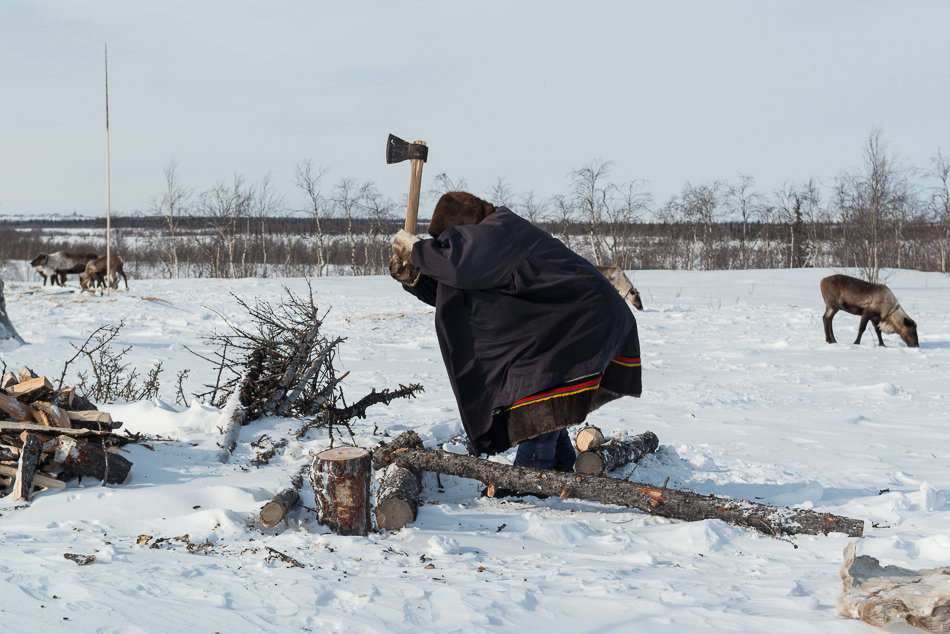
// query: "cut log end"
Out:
[275,510]
[588,437]
[271,514]
[393,514]
[589,463]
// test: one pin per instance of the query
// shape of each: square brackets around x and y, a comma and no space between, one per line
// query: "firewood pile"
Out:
[50,435]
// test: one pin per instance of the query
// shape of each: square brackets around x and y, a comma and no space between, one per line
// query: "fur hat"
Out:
[458,208]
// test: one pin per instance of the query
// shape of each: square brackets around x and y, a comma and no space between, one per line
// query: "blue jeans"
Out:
[552,450]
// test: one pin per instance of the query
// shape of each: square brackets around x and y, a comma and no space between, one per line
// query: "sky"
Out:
[530,91]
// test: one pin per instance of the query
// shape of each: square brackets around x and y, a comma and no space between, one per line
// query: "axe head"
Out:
[398,150]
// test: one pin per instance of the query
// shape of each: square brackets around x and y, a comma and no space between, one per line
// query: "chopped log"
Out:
[9,454]
[39,480]
[885,595]
[31,389]
[91,416]
[397,499]
[25,374]
[588,437]
[13,407]
[26,467]
[8,379]
[672,503]
[341,487]
[274,511]
[63,398]
[615,453]
[81,458]
[48,414]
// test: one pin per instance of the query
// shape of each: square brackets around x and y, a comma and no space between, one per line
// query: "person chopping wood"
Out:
[533,337]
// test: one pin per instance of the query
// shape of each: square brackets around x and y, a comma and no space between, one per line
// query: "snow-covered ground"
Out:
[746,399]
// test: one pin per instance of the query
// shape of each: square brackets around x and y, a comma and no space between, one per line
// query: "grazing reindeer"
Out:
[56,266]
[96,273]
[619,280]
[873,302]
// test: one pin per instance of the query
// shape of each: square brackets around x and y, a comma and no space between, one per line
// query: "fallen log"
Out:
[274,511]
[588,437]
[341,488]
[397,499]
[26,467]
[81,458]
[615,453]
[671,503]
[38,478]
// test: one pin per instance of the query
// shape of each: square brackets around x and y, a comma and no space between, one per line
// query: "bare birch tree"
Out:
[309,181]
[940,205]
[172,204]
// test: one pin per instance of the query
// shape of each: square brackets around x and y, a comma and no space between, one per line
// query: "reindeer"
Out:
[95,273]
[56,266]
[619,280]
[873,302]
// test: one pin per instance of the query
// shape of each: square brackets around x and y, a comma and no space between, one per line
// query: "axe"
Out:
[397,151]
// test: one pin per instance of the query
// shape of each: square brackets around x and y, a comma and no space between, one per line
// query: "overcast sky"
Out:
[523,90]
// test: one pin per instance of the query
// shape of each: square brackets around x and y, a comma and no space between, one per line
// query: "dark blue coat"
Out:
[517,312]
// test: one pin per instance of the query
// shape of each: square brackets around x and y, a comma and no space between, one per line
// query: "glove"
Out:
[402,245]
[403,271]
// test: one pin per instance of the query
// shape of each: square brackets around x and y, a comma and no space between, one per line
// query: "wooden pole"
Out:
[108,182]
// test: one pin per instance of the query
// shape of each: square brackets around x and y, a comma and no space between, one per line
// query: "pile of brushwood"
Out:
[281,364]
[50,435]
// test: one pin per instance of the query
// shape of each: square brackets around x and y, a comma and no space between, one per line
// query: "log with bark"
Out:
[26,467]
[615,453]
[274,511]
[661,501]
[81,458]
[341,488]
[397,499]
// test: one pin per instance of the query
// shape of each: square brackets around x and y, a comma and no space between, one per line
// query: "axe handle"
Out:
[415,189]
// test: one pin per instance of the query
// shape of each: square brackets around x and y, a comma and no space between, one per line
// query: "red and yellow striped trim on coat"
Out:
[627,362]
[581,385]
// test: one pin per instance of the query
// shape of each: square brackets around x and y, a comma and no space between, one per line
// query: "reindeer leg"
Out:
[829,333]
[865,318]
[877,328]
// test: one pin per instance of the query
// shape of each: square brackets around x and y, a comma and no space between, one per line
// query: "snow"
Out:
[746,399]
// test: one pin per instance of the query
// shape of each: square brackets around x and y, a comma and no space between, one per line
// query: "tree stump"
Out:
[615,453]
[588,437]
[341,489]
[275,510]
[398,497]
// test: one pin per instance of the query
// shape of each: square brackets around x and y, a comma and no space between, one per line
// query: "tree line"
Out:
[880,214]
